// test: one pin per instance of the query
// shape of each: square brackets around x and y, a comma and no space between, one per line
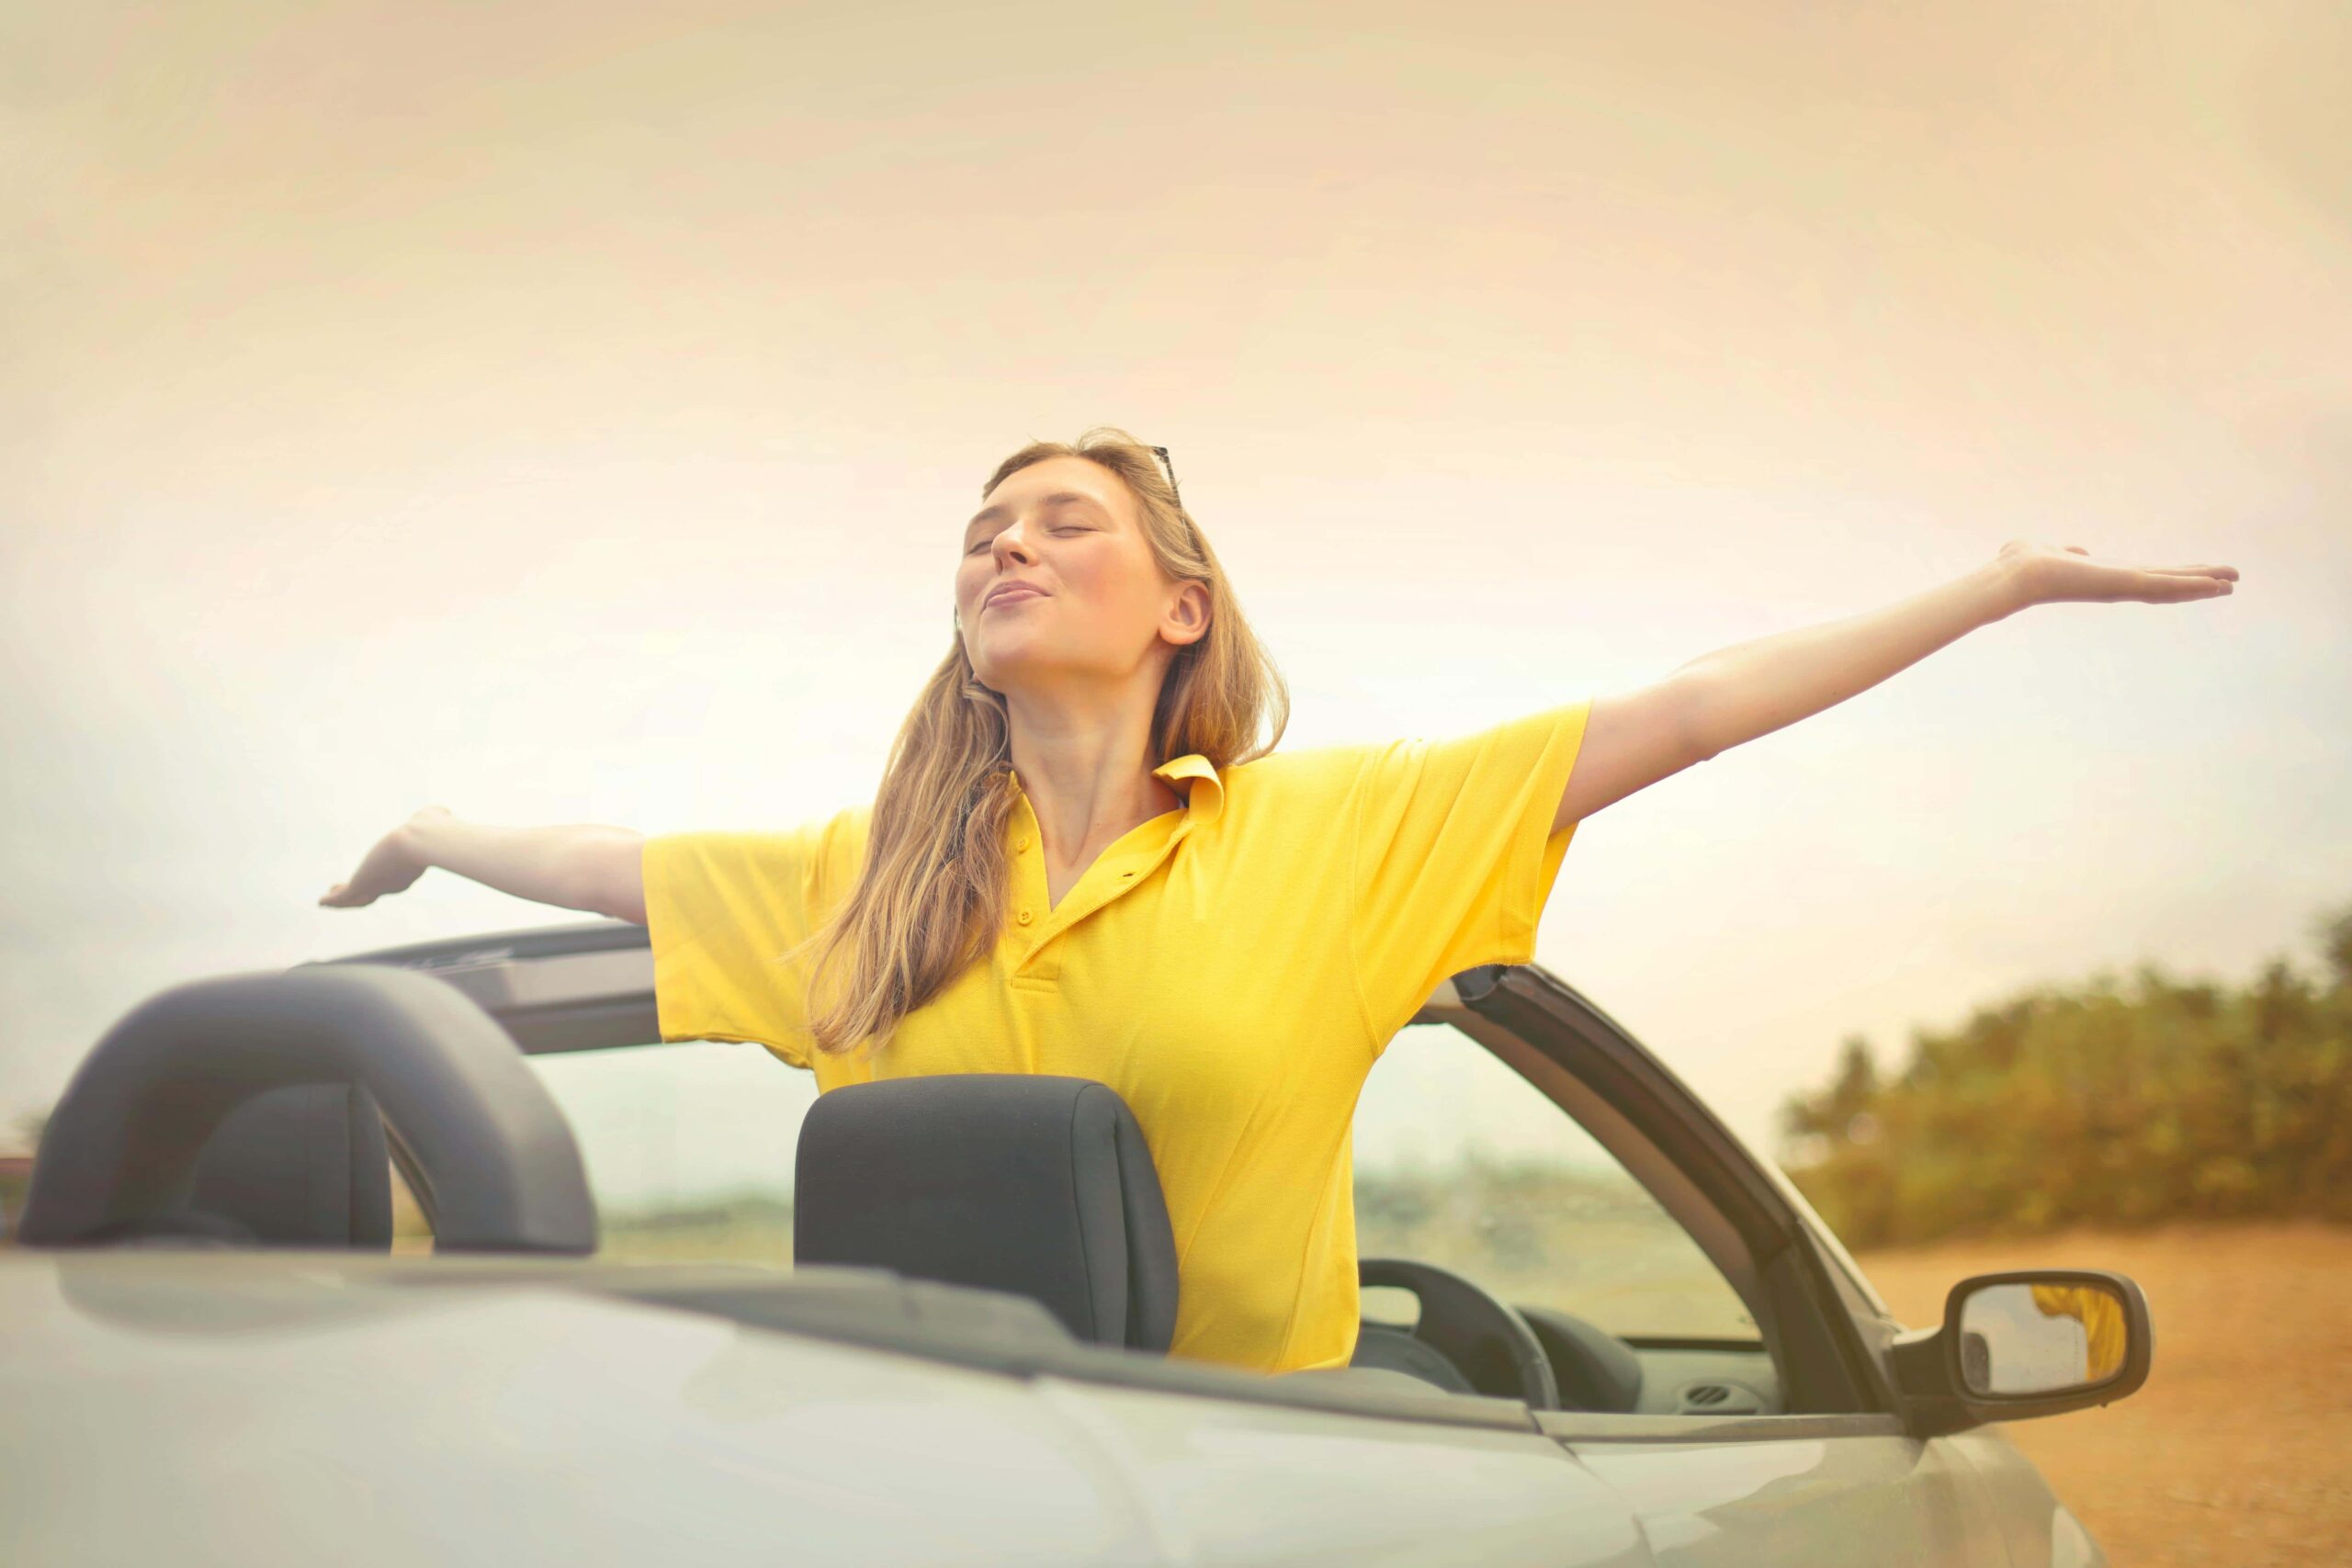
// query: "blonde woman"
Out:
[1087,858]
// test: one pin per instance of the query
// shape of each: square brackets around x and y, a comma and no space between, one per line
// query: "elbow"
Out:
[611,878]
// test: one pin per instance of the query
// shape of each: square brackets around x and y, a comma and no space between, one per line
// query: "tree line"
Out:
[2103,1102]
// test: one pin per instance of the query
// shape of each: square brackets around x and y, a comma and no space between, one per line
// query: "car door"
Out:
[1828,1490]
[1513,1134]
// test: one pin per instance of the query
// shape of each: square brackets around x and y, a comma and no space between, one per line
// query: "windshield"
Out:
[1463,1163]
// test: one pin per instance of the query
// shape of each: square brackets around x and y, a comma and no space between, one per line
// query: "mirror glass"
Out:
[2039,1338]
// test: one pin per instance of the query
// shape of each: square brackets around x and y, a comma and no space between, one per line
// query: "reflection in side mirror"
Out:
[2022,1340]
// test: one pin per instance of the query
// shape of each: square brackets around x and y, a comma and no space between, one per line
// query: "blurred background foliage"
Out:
[2100,1103]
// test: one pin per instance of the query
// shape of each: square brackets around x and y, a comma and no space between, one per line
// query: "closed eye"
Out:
[984,544]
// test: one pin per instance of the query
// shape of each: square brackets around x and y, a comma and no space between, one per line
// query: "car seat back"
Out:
[1033,1183]
[496,1165]
[302,1166]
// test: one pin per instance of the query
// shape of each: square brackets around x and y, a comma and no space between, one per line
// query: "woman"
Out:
[1083,860]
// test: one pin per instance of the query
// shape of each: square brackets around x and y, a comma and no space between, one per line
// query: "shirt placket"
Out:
[1034,926]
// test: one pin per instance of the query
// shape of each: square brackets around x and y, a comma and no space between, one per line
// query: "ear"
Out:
[1186,617]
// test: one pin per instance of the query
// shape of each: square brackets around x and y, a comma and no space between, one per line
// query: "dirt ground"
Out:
[2238,1451]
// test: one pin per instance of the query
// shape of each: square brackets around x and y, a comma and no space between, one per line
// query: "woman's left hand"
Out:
[2045,574]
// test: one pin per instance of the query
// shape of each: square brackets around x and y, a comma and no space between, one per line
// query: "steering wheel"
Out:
[1469,1332]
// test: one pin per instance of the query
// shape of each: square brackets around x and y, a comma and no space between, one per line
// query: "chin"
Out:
[1007,668]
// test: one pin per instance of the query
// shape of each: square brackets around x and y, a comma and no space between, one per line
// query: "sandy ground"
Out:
[2239,1448]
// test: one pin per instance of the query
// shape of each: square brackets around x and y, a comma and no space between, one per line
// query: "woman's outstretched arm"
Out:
[586,866]
[1737,693]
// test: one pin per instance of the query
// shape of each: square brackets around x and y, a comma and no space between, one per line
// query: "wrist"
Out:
[1998,589]
[421,834]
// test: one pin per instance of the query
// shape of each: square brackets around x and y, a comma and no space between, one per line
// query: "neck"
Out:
[1087,774]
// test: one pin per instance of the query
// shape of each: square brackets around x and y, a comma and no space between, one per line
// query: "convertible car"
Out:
[1598,1329]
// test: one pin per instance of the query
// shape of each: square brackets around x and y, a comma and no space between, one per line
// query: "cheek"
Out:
[1110,586]
[1094,607]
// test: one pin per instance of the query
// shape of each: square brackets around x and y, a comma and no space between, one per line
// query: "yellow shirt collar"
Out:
[1206,799]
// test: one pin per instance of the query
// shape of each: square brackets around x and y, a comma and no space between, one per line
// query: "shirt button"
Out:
[1024,917]
[1020,844]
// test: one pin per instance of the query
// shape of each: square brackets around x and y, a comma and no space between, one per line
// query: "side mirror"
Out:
[2035,1342]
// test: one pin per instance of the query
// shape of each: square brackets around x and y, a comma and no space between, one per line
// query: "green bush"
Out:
[2100,1103]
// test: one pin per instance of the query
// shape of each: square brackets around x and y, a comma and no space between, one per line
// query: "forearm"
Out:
[1752,688]
[573,866]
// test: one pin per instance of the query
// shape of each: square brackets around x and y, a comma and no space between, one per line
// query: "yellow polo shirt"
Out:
[1232,969]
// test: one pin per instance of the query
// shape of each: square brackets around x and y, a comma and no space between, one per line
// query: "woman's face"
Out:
[1092,607]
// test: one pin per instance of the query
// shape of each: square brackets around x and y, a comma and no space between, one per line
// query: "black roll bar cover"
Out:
[504,1168]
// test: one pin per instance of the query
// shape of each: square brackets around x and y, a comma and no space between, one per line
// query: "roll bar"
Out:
[503,1172]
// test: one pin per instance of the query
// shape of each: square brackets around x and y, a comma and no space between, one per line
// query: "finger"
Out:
[2161,588]
[2229,573]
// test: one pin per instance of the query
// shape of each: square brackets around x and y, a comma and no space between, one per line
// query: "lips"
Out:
[1012,590]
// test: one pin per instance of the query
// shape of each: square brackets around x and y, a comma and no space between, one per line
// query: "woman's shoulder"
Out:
[838,842]
[1324,767]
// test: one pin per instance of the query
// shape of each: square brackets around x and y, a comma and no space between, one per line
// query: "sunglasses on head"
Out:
[1171,473]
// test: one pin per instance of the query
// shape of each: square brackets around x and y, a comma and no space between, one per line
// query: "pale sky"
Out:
[569,412]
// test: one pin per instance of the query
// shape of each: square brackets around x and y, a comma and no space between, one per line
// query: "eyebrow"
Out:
[1059,497]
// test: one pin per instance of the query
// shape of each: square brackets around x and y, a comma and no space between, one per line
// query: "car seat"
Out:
[1032,1183]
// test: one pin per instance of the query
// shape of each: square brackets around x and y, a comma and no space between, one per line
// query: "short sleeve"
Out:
[722,909]
[1453,855]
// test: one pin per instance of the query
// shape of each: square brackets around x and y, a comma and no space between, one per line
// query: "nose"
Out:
[1012,539]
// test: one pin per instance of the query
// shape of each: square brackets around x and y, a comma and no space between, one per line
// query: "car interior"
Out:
[1040,1189]
[1037,1187]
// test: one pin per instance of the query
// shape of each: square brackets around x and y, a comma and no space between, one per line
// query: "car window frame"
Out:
[1667,1140]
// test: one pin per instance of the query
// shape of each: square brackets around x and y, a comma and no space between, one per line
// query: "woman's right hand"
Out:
[391,867]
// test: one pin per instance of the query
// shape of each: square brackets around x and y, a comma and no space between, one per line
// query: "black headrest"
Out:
[1025,1182]
[301,1166]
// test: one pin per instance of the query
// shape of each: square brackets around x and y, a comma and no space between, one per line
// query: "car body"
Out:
[516,1396]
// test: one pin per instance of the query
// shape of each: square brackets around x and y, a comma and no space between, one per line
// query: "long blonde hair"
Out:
[931,895]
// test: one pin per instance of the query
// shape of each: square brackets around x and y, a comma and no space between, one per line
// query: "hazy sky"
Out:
[567,414]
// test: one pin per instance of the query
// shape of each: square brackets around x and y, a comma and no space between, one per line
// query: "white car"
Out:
[1598,1329]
